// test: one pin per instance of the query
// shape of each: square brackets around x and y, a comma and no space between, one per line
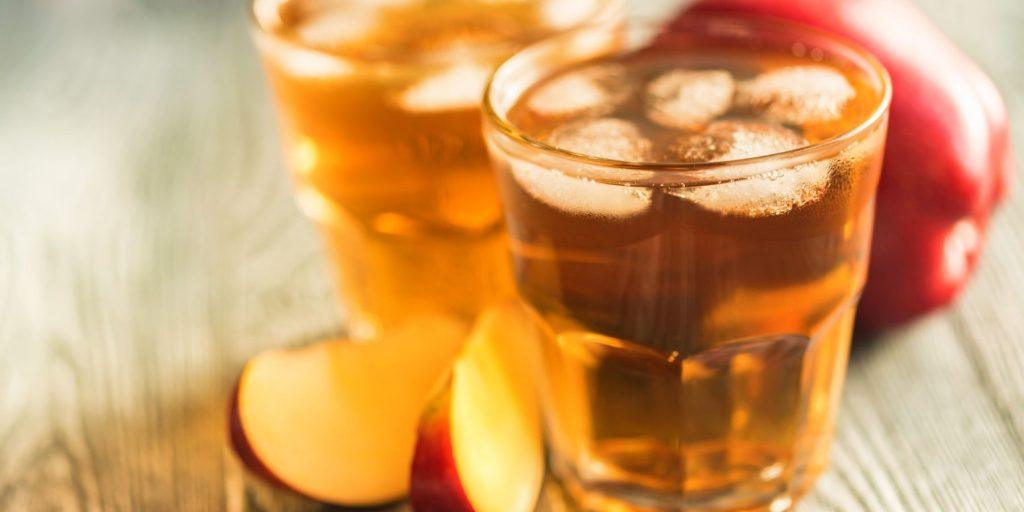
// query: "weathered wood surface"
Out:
[148,245]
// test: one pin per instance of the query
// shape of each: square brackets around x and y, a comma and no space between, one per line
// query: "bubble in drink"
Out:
[774,192]
[797,94]
[611,138]
[687,99]
[594,90]
[579,196]
[455,88]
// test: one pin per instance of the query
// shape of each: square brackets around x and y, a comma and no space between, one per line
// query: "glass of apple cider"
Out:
[690,209]
[379,102]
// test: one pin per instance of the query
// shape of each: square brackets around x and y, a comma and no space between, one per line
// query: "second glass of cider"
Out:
[379,102]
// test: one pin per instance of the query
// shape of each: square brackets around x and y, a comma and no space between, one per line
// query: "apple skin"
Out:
[948,159]
[240,444]
[479,444]
[435,485]
[335,421]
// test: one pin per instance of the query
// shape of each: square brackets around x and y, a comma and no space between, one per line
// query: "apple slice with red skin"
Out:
[480,445]
[336,420]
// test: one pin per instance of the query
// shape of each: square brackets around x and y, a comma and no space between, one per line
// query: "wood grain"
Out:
[149,245]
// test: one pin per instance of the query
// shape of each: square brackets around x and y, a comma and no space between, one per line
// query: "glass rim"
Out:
[606,11]
[759,23]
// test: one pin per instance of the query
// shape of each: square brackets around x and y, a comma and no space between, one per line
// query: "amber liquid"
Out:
[694,358]
[380,108]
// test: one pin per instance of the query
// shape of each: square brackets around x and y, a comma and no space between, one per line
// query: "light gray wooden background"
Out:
[149,245]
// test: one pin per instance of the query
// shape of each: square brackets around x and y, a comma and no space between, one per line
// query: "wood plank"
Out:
[153,246]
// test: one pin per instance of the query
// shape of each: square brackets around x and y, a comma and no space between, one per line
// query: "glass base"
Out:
[613,497]
[768,492]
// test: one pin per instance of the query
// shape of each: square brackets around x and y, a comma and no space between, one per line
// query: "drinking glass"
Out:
[690,208]
[379,105]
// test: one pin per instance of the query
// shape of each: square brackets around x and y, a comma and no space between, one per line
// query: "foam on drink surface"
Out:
[695,108]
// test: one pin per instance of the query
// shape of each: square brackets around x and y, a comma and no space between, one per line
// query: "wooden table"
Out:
[149,245]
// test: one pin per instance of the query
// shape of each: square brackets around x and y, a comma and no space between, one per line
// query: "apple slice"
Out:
[479,447]
[336,420]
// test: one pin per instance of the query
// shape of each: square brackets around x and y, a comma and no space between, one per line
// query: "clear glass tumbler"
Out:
[690,209]
[379,103]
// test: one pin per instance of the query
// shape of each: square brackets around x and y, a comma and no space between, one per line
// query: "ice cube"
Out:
[773,192]
[455,88]
[301,62]
[594,90]
[732,140]
[580,196]
[797,94]
[685,98]
[563,14]
[749,139]
[268,13]
[695,148]
[333,26]
[611,138]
